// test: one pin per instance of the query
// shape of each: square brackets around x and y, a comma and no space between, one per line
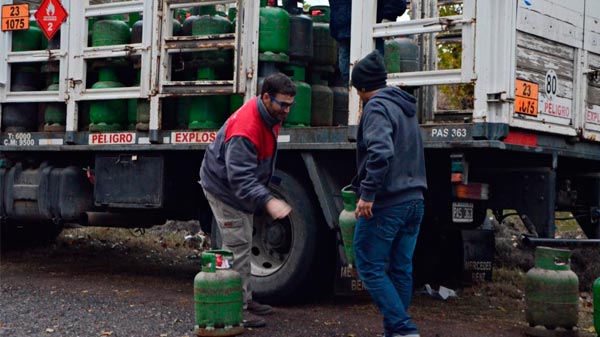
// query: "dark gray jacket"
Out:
[238,165]
[389,150]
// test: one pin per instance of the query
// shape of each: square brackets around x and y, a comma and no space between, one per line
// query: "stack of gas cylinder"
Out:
[291,42]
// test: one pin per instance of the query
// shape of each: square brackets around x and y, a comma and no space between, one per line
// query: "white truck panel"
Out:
[560,21]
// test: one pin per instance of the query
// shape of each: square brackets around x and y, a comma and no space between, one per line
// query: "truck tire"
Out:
[286,254]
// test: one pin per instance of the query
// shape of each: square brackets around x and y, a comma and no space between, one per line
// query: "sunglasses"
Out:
[283,105]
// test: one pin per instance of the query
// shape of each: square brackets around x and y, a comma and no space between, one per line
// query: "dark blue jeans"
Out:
[389,235]
[344,56]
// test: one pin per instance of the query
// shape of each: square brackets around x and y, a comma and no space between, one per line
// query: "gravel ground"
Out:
[88,287]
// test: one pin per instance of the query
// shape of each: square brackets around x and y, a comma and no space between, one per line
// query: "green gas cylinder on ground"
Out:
[218,296]
[596,291]
[274,30]
[299,115]
[55,113]
[108,115]
[208,112]
[348,222]
[552,290]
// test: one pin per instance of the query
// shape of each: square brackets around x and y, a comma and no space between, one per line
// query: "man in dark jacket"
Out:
[341,19]
[235,174]
[389,184]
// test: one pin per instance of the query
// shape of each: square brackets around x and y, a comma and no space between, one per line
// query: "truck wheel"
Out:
[286,253]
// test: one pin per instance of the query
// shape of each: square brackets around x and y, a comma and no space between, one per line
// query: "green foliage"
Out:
[458,97]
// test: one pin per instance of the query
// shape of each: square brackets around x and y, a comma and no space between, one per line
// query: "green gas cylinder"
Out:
[208,112]
[401,55]
[299,115]
[235,102]
[596,291]
[110,31]
[325,48]
[218,296]
[209,23]
[132,105]
[108,115]
[340,105]
[274,30]
[26,40]
[348,222]
[301,38]
[55,112]
[552,290]
[321,103]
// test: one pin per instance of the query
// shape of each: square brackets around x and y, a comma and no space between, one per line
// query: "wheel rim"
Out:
[271,244]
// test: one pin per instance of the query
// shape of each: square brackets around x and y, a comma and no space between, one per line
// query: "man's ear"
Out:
[265,97]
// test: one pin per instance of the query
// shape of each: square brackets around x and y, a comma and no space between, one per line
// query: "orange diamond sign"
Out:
[50,15]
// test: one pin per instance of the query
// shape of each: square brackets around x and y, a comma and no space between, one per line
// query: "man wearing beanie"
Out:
[390,183]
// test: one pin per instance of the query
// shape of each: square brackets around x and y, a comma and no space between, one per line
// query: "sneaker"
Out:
[252,321]
[259,309]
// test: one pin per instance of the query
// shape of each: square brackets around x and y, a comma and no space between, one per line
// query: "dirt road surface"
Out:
[100,288]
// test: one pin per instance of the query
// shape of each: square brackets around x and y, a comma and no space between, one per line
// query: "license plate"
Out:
[462,212]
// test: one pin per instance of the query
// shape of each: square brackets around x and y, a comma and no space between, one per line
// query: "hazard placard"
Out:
[50,15]
[526,98]
[15,17]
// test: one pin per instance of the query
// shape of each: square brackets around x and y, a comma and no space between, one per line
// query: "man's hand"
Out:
[364,209]
[278,209]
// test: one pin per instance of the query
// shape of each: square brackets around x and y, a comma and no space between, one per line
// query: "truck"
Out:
[116,134]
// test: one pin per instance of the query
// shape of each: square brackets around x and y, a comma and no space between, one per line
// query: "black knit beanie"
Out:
[369,73]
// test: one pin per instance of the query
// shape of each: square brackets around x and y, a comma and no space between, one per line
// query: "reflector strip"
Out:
[520,138]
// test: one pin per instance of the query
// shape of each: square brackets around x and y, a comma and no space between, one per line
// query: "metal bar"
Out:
[32,96]
[246,54]
[34,56]
[419,26]
[75,69]
[323,189]
[187,3]
[434,77]
[532,241]
[114,8]
[111,93]
[191,44]
[114,51]
[194,90]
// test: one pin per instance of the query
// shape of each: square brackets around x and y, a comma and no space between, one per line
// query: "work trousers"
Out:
[235,227]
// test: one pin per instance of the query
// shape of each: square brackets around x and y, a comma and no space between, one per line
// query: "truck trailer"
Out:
[107,109]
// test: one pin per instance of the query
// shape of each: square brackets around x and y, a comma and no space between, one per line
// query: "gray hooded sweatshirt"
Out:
[389,150]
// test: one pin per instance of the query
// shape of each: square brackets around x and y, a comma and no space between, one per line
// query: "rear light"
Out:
[474,191]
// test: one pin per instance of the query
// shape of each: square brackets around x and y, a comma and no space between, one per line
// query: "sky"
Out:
[317,2]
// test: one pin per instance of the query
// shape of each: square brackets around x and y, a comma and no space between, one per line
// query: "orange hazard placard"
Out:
[526,100]
[15,17]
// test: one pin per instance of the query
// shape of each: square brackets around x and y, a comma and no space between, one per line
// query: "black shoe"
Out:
[259,309]
[252,321]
